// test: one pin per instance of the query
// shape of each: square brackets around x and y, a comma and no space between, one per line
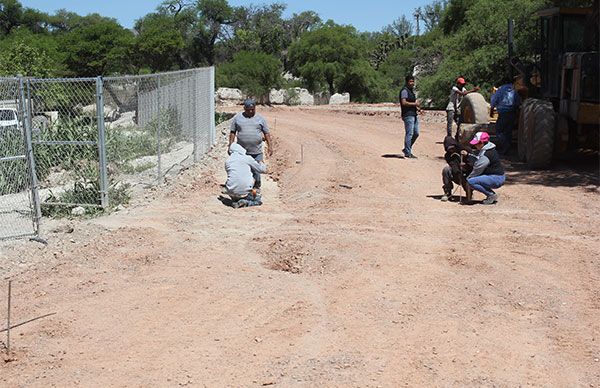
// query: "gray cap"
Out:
[249,103]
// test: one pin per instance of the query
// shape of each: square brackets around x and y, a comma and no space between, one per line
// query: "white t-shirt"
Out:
[455,98]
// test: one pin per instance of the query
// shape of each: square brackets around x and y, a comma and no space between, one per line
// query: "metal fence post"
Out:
[25,107]
[211,104]
[194,96]
[158,125]
[101,142]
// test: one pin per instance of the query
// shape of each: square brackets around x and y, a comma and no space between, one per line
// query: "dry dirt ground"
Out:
[352,273]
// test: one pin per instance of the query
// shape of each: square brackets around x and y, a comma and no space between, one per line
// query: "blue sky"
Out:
[364,15]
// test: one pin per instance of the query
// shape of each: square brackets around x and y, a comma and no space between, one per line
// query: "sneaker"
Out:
[445,198]
[412,156]
[491,199]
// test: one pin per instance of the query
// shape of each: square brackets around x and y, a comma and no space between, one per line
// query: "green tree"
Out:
[321,57]
[100,46]
[258,28]
[431,14]
[255,73]
[397,65]
[401,27]
[11,13]
[47,57]
[21,59]
[159,42]
[212,16]
[477,48]
[301,23]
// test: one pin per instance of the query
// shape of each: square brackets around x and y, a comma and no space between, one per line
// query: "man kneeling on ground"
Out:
[240,181]
[454,172]
[488,173]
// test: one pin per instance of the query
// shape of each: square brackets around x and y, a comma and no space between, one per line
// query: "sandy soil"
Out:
[352,273]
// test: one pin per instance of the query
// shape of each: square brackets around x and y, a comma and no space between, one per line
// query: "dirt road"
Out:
[352,273]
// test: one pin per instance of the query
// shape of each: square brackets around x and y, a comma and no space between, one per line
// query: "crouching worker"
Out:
[240,181]
[488,173]
[456,171]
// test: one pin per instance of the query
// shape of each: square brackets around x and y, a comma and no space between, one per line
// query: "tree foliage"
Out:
[98,46]
[25,60]
[255,73]
[159,42]
[252,45]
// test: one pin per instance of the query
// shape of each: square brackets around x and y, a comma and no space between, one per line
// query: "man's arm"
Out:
[231,140]
[259,167]
[407,103]
[475,89]
[479,166]
[269,143]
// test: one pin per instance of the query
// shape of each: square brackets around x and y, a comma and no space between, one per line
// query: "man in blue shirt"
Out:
[506,101]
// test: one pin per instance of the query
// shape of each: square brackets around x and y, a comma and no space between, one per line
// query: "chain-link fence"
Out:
[91,139]
[156,124]
[18,217]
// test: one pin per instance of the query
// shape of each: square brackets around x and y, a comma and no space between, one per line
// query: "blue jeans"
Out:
[485,183]
[504,126]
[256,175]
[411,128]
[249,200]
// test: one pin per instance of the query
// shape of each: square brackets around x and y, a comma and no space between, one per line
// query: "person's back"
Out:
[505,99]
[239,167]
[249,131]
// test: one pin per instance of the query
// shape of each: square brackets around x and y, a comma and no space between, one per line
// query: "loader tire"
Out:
[524,123]
[474,109]
[540,134]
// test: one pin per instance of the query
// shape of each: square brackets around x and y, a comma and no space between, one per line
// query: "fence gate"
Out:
[65,119]
[19,203]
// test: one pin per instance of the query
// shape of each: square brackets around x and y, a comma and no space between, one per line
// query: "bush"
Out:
[14,174]
[252,72]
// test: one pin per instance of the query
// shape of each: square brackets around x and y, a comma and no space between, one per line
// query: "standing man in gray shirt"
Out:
[250,128]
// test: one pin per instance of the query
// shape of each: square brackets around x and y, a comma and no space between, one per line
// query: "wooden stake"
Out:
[8,318]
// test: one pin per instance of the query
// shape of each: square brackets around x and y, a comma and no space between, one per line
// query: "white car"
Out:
[8,118]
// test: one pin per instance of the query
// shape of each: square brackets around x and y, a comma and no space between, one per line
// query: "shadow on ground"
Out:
[225,201]
[398,156]
[461,200]
[582,170]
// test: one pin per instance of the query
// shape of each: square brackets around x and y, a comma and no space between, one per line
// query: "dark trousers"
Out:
[448,178]
[256,175]
[504,127]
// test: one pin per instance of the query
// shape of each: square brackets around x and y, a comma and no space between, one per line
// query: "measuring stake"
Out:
[8,319]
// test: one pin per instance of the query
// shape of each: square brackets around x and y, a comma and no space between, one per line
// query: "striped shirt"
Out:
[249,132]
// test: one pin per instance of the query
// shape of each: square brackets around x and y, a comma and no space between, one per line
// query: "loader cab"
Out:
[562,30]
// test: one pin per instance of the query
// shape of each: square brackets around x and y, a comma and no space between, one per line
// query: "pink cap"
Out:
[480,137]
[461,80]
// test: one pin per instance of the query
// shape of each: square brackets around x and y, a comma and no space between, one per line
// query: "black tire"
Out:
[474,109]
[524,116]
[540,133]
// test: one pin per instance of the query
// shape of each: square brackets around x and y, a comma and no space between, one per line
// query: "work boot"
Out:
[491,199]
